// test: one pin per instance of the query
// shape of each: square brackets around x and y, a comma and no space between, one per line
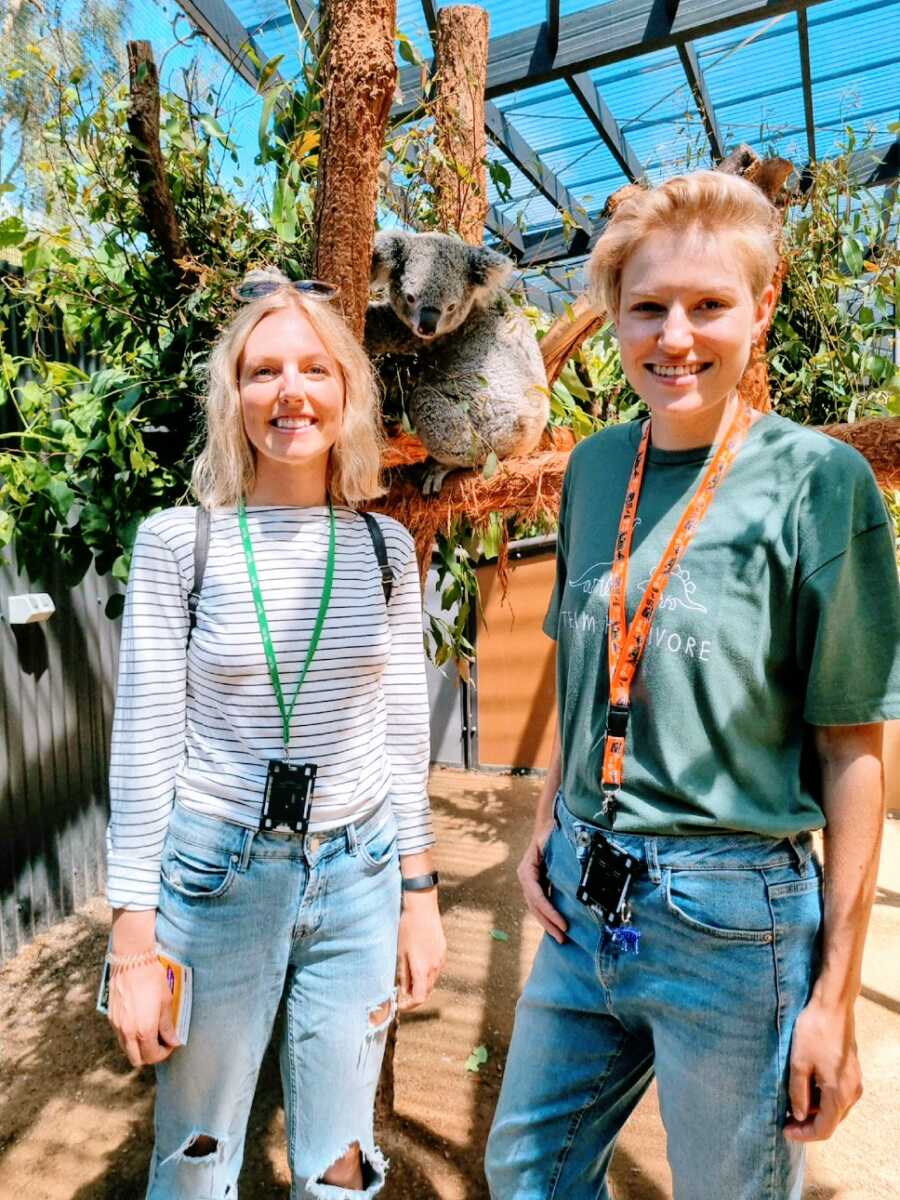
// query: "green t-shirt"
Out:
[783,613]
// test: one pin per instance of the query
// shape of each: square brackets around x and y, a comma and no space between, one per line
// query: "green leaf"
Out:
[7,527]
[62,496]
[215,131]
[132,397]
[13,231]
[853,255]
[499,936]
[491,465]
[408,51]
[477,1059]
[120,568]
[268,71]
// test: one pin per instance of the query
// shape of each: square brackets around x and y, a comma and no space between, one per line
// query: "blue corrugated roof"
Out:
[752,74]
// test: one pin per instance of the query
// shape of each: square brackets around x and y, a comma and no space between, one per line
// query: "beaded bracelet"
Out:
[124,962]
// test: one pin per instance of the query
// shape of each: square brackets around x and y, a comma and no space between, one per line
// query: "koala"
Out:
[480,380]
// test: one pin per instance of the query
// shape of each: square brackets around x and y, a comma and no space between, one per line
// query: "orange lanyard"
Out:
[627,642]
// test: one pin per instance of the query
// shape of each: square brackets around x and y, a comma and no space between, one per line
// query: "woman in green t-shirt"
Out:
[722,682]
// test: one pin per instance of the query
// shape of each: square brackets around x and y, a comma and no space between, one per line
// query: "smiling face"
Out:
[292,394]
[687,321]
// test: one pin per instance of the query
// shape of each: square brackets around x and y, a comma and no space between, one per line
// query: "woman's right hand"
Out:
[140,1012]
[531,878]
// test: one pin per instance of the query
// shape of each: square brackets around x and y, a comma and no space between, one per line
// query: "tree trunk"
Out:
[357,37]
[460,181]
[143,124]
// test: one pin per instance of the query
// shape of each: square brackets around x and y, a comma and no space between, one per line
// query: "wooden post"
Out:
[460,182]
[357,39]
[143,124]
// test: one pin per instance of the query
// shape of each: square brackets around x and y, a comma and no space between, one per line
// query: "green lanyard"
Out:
[286,710]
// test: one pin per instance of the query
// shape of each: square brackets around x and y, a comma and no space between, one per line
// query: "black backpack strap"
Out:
[201,546]
[387,575]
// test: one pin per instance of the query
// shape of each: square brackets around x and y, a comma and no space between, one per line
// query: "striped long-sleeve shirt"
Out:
[199,722]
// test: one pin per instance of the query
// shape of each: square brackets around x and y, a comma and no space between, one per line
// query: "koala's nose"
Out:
[428,319]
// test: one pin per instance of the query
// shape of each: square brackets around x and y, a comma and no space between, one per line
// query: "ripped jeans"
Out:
[728,953]
[260,916]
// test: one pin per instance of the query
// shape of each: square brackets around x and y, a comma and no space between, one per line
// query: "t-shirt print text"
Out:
[679,596]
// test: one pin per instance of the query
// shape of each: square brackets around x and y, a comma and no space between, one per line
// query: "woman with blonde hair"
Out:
[269,765]
[727,650]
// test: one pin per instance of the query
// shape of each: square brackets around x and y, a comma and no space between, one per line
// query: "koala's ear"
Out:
[487,268]
[388,254]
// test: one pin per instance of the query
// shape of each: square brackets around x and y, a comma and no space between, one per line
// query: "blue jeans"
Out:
[260,916]
[729,934]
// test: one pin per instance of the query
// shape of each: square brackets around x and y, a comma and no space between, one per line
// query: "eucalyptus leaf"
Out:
[477,1059]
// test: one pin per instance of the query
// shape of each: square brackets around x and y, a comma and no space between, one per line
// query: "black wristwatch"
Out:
[419,883]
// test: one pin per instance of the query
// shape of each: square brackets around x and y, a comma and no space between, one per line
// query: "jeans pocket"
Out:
[379,848]
[730,905]
[197,872]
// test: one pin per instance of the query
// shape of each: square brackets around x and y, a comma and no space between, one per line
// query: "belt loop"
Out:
[352,837]
[249,835]
[802,858]
[652,859]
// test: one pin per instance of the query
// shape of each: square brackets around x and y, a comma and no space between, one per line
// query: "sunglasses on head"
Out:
[312,289]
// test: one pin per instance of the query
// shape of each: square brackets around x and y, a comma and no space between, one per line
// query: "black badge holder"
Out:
[606,880]
[287,800]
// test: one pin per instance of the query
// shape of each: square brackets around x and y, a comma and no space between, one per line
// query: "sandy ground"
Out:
[75,1120]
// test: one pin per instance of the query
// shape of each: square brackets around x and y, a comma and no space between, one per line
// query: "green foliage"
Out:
[831,346]
[40,44]
[92,451]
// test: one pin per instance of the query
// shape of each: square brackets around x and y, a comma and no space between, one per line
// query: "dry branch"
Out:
[529,489]
[153,187]
[360,77]
[460,181]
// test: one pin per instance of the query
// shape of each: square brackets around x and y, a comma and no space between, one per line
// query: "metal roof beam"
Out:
[596,109]
[874,167]
[221,27]
[552,27]
[430,14]
[806,73]
[604,34]
[536,296]
[504,229]
[306,9]
[528,161]
[691,65]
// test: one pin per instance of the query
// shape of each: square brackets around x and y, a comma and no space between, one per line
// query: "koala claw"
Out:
[433,478]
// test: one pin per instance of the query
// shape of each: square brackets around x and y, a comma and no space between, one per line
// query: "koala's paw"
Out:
[433,478]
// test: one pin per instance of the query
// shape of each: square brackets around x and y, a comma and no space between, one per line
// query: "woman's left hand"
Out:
[421,948]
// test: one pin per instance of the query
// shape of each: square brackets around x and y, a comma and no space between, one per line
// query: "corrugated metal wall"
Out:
[58,680]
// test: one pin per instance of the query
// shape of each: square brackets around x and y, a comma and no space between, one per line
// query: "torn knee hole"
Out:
[346,1164]
[354,1169]
[201,1146]
[380,1014]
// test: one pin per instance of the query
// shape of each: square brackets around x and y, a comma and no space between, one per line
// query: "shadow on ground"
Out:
[76,1121]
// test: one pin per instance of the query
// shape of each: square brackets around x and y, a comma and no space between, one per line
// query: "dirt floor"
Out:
[75,1120]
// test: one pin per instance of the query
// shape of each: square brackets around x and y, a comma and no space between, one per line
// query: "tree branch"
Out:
[143,124]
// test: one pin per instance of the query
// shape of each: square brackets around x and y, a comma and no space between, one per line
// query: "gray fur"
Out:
[481,384]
